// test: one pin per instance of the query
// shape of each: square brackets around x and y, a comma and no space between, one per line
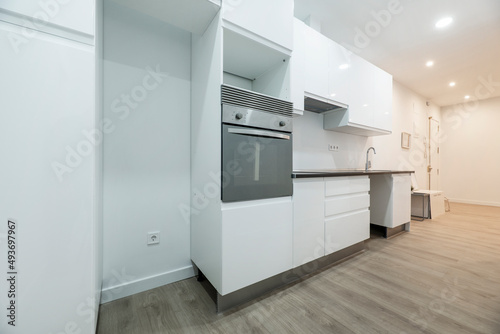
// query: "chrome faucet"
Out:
[368,162]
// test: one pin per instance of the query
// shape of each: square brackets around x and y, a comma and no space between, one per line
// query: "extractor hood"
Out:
[321,105]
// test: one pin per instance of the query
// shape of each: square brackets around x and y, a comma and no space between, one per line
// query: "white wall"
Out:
[471,152]
[310,145]
[147,152]
[410,114]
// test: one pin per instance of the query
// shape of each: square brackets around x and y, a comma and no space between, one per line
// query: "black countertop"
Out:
[305,173]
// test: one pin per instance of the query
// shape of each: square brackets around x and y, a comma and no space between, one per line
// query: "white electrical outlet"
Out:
[333,148]
[153,238]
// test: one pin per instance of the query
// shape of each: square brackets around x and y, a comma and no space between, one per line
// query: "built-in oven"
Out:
[256,146]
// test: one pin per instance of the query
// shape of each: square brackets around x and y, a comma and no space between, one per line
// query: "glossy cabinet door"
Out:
[347,212]
[272,20]
[76,15]
[308,220]
[297,66]
[390,200]
[362,104]
[340,83]
[330,214]
[256,241]
[48,178]
[401,187]
[382,111]
[317,63]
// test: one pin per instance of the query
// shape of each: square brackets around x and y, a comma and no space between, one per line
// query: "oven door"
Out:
[256,163]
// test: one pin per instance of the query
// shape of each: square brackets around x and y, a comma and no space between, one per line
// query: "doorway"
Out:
[433,157]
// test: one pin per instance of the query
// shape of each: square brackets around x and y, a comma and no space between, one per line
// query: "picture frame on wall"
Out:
[405,140]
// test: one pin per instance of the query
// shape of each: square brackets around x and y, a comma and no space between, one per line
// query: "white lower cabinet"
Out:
[354,227]
[390,199]
[330,214]
[256,241]
[308,220]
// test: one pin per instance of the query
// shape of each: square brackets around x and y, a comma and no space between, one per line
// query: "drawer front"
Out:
[346,230]
[338,205]
[346,185]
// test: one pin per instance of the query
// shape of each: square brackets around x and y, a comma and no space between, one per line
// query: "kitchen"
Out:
[147,151]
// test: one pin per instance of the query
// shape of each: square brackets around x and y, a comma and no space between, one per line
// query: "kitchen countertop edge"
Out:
[311,174]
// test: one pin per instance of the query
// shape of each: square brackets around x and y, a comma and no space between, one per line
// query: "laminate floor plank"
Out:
[441,277]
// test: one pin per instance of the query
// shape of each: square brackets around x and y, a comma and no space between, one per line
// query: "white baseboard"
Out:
[466,201]
[144,284]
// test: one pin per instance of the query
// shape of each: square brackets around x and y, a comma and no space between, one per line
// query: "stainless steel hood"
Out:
[321,105]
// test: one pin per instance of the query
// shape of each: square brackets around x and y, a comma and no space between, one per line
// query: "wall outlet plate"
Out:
[333,148]
[153,238]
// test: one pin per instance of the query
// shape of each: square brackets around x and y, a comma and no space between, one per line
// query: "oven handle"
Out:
[260,133]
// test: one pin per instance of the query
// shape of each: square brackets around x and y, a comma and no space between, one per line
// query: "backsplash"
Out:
[310,145]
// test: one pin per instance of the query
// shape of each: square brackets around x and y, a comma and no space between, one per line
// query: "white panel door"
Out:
[256,241]
[48,180]
[75,15]
[272,20]
[308,220]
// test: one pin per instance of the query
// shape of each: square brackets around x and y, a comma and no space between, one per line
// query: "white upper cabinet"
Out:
[382,115]
[271,20]
[339,73]
[297,63]
[50,15]
[334,74]
[317,63]
[362,100]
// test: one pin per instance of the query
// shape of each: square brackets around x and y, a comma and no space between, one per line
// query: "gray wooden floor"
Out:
[442,277]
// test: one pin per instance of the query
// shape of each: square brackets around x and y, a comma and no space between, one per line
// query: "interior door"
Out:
[434,163]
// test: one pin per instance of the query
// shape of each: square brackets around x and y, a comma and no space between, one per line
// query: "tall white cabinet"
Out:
[237,244]
[51,168]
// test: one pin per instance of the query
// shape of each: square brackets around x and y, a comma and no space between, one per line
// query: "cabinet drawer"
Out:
[338,205]
[346,230]
[346,185]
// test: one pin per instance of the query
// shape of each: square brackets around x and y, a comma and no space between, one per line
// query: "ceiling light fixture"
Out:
[444,22]
[344,66]
[452,84]
[429,63]
[467,97]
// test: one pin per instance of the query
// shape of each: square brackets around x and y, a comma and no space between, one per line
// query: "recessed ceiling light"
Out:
[365,105]
[452,84]
[444,22]
[344,66]
[429,63]
[333,94]
[467,97]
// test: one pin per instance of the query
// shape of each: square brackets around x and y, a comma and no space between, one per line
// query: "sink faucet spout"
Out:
[368,163]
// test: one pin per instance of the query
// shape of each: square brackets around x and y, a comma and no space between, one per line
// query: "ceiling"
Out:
[466,52]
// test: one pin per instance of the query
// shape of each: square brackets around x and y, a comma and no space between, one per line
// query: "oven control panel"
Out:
[256,118]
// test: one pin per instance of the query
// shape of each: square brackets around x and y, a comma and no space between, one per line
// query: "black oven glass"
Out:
[255,166]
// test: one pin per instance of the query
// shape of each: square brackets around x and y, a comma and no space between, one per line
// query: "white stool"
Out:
[436,207]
